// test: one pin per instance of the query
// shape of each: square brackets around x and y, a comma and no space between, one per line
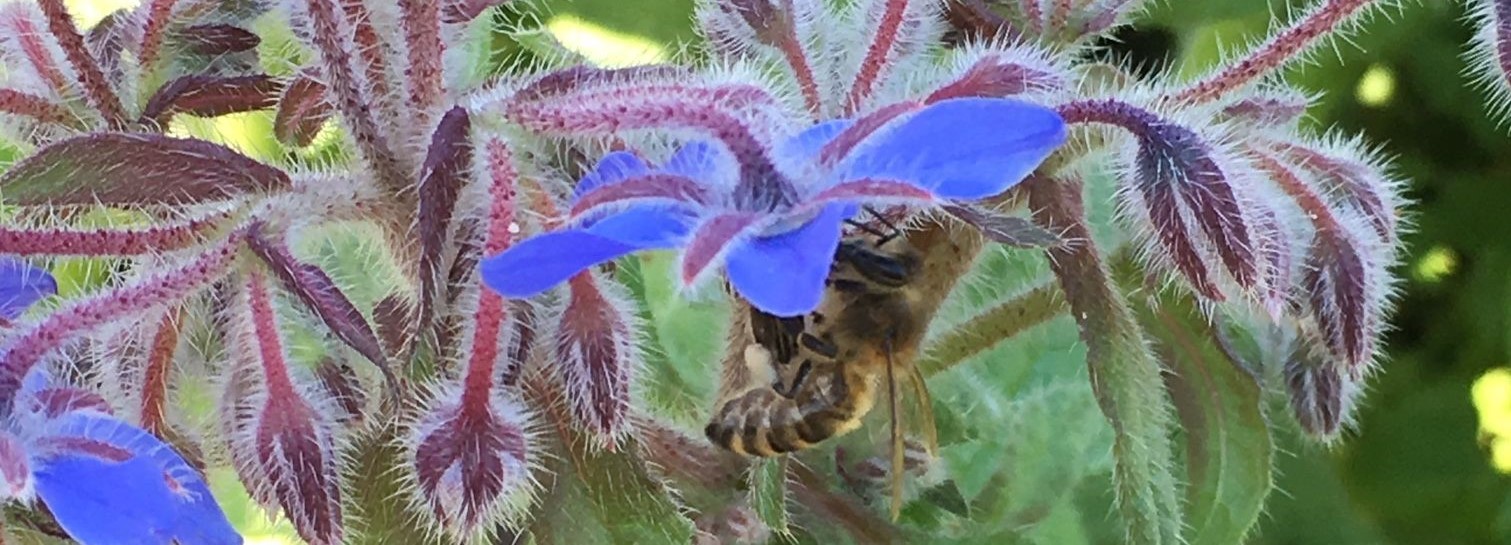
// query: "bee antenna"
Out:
[883,219]
[868,229]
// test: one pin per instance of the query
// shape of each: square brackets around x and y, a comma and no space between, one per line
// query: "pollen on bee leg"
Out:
[758,362]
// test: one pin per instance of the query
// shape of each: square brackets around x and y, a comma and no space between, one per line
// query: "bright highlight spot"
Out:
[268,540]
[87,13]
[1437,264]
[1376,87]
[1491,394]
[250,133]
[603,46]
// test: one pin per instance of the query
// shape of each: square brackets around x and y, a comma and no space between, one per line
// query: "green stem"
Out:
[993,326]
[1124,375]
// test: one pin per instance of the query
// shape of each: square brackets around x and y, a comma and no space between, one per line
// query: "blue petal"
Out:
[98,501]
[200,517]
[697,160]
[537,264]
[966,149]
[21,285]
[149,511]
[804,146]
[784,274]
[614,167]
[646,227]
[543,261]
[35,381]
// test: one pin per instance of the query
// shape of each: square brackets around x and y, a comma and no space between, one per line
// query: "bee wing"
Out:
[915,414]
[922,416]
[894,416]
[1010,230]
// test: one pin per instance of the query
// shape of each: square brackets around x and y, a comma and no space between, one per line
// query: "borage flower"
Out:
[776,234]
[21,285]
[103,480]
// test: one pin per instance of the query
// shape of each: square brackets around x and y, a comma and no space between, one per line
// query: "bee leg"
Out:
[897,444]
[820,346]
[925,408]
[790,391]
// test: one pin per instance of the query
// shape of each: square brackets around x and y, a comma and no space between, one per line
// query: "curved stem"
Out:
[797,59]
[29,345]
[1279,50]
[977,21]
[997,324]
[91,78]
[1124,375]
[109,242]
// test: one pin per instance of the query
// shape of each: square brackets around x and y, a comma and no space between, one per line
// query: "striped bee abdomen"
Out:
[765,422]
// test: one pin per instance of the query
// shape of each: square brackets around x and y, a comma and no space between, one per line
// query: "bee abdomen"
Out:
[762,422]
[755,424]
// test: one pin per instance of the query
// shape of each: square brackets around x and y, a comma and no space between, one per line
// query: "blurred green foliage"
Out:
[1417,469]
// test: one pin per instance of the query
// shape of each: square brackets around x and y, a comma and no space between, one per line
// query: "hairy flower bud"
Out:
[1187,193]
[470,462]
[1279,109]
[284,445]
[1321,393]
[302,110]
[15,470]
[1000,73]
[1490,53]
[596,356]
[1352,176]
[1344,280]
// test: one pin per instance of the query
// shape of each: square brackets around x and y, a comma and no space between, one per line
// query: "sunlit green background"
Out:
[1429,460]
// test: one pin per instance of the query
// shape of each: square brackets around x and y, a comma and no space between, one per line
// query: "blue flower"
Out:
[776,233]
[22,285]
[106,481]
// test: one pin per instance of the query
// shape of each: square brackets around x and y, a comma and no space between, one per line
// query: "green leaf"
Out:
[607,497]
[972,464]
[380,498]
[1228,452]
[768,492]
[947,496]
[681,354]
[597,495]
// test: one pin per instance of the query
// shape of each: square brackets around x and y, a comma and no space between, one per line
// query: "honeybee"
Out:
[808,378]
